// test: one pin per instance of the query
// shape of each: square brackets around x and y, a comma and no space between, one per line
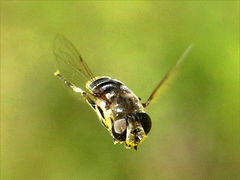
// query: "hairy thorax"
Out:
[114,100]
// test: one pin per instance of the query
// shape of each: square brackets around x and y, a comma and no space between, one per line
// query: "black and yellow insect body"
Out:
[118,108]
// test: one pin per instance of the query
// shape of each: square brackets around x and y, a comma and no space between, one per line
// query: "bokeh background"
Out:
[48,132]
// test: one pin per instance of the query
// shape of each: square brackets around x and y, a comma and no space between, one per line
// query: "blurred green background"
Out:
[48,132]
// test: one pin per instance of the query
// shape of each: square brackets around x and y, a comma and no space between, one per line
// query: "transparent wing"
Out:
[70,63]
[168,75]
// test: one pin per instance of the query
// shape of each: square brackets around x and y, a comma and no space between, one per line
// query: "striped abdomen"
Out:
[113,98]
[103,85]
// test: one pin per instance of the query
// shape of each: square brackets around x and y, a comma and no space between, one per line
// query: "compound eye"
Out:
[145,121]
[120,126]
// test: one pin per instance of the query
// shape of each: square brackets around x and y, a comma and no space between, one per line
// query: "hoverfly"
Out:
[118,108]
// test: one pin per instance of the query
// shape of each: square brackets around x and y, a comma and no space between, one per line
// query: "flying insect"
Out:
[119,110]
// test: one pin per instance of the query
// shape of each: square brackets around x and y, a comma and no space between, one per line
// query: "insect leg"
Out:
[169,73]
[69,84]
[76,89]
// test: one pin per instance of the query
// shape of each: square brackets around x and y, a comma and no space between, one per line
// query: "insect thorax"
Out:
[113,99]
